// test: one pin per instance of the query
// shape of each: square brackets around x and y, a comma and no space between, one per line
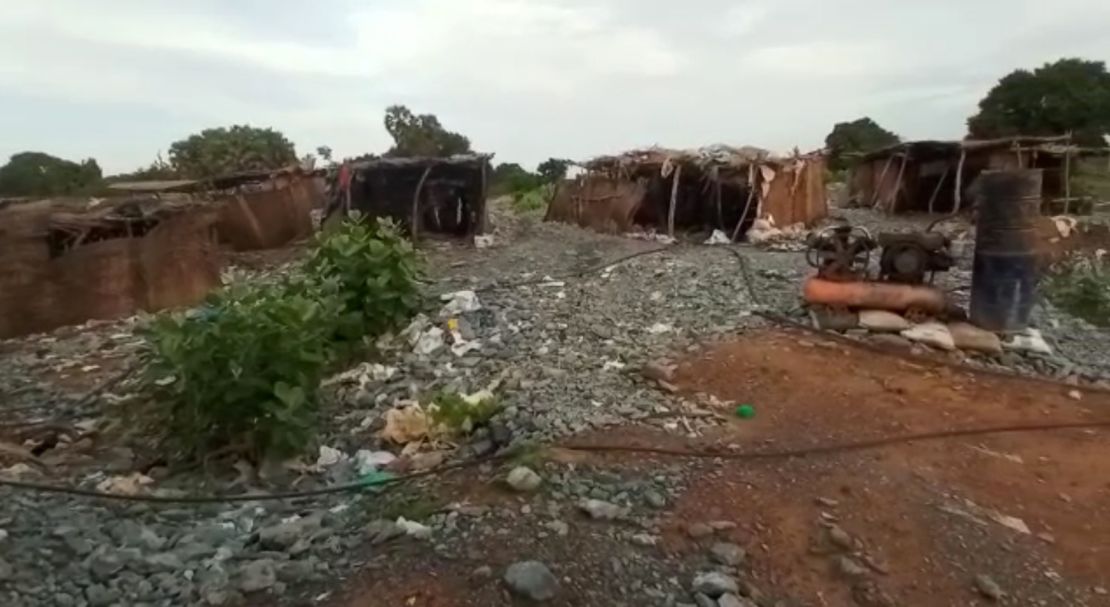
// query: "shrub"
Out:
[1082,288]
[242,371]
[374,271]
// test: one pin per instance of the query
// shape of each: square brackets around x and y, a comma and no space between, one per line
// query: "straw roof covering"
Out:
[711,158]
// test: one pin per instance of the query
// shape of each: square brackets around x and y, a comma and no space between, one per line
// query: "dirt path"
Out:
[919,521]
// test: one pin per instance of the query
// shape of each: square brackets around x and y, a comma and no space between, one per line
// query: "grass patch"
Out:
[415,505]
[532,200]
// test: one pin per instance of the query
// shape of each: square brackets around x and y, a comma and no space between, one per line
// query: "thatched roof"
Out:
[712,158]
[220,182]
[931,148]
[70,214]
[458,160]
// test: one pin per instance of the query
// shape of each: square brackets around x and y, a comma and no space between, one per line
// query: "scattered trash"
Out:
[458,303]
[612,365]
[745,412]
[1029,340]
[1011,522]
[367,461]
[428,341]
[329,457]
[979,515]
[969,337]
[125,485]
[718,237]
[1006,456]
[1075,395]
[1065,225]
[406,424]
[659,328]
[462,348]
[483,241]
[662,239]
[763,231]
[882,321]
[16,470]
[376,477]
[414,529]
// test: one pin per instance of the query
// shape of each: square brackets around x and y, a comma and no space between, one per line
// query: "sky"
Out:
[119,80]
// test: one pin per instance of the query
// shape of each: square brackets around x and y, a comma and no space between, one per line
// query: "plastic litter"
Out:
[329,457]
[367,461]
[718,237]
[745,411]
[459,302]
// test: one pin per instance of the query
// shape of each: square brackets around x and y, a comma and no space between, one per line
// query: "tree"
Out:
[553,170]
[158,169]
[220,151]
[510,177]
[849,139]
[39,174]
[1070,95]
[421,135]
[324,152]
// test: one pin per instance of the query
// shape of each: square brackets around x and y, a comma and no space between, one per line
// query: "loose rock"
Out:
[601,510]
[257,575]
[714,583]
[532,580]
[731,600]
[728,554]
[523,479]
[989,588]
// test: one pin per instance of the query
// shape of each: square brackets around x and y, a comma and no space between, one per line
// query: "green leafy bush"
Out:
[1083,291]
[242,371]
[374,271]
[533,200]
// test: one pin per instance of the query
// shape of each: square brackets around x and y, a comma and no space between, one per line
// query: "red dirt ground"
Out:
[897,501]
[807,390]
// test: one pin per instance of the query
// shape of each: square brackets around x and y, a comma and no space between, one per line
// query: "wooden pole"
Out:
[674,199]
[878,186]
[720,212]
[898,183]
[483,211]
[748,204]
[1067,177]
[936,190]
[416,203]
[959,182]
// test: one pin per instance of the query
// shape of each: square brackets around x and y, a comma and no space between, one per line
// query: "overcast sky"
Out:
[118,80]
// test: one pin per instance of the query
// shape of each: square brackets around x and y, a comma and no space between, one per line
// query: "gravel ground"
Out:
[565,356]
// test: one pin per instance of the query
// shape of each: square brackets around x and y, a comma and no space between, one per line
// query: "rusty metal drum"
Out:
[1004,272]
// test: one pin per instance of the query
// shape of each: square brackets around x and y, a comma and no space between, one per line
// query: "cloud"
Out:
[526,79]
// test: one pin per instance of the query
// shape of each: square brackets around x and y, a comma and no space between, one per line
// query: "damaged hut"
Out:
[423,195]
[940,176]
[257,209]
[66,262]
[716,187]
